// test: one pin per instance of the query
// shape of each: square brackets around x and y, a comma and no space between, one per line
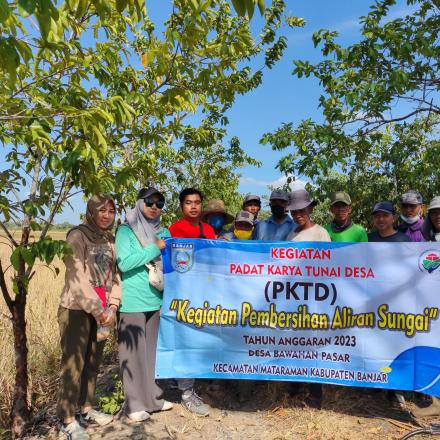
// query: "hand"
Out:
[101,318]
[110,317]
[160,243]
[105,318]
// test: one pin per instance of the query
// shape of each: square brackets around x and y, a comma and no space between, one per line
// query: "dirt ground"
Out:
[271,411]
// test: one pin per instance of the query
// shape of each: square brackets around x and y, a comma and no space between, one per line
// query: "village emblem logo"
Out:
[182,256]
[429,261]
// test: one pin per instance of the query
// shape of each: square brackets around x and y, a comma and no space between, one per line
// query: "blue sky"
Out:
[281,98]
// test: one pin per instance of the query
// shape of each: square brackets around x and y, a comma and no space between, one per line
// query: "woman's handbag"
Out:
[155,274]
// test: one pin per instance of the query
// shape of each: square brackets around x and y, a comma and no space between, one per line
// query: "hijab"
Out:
[89,228]
[145,229]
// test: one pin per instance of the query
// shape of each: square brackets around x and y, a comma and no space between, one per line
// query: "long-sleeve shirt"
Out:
[138,295]
[91,265]
[271,230]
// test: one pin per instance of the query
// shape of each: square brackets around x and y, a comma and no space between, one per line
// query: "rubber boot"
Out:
[430,411]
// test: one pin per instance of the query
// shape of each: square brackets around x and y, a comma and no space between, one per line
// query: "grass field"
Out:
[43,300]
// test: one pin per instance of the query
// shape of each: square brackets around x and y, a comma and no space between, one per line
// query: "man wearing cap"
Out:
[384,216]
[342,229]
[215,215]
[279,224]
[242,228]
[411,220]
[252,204]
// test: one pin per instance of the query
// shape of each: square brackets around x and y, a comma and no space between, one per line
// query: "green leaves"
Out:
[27,7]
[121,5]
[243,7]
[240,7]
[91,117]
[295,21]
[5,11]
[81,8]
[45,250]
[10,57]
[375,93]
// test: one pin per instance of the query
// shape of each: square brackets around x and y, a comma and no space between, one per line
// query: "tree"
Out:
[210,167]
[96,100]
[404,158]
[379,104]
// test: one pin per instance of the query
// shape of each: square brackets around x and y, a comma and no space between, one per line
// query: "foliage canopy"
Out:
[380,107]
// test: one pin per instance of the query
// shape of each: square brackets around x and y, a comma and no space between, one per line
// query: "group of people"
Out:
[118,279]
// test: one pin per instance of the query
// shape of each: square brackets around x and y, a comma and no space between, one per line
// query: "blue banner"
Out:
[355,314]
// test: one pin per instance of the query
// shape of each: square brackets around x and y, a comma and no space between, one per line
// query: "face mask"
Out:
[217,222]
[278,211]
[410,220]
[243,235]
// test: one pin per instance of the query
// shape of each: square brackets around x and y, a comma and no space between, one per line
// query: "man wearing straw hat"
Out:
[215,215]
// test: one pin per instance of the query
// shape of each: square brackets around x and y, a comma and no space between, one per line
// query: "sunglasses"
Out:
[150,202]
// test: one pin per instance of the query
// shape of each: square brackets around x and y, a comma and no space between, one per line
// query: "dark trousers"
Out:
[80,361]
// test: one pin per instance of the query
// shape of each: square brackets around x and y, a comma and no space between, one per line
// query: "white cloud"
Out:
[297,183]
[252,181]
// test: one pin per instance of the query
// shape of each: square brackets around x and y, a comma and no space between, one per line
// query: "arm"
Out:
[325,236]
[77,277]
[115,294]
[129,253]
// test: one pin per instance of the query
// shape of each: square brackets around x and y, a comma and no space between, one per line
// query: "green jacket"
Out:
[137,293]
[355,233]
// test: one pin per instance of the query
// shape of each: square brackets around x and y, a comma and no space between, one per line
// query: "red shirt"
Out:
[184,229]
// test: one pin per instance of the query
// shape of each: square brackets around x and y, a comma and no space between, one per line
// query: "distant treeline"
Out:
[56,227]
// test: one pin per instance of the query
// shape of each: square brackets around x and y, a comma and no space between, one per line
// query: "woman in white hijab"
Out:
[138,250]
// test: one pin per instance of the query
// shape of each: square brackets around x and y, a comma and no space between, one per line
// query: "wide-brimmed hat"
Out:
[217,206]
[299,199]
[245,217]
[251,198]
[435,203]
[340,196]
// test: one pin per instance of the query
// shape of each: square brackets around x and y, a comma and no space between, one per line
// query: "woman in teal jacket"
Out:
[138,244]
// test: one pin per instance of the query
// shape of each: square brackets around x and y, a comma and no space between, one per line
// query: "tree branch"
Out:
[4,288]
[61,196]
[8,234]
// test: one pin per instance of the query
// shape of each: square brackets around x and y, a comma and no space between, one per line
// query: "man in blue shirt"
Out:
[279,224]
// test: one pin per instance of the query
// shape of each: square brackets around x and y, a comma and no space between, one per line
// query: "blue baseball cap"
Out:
[384,207]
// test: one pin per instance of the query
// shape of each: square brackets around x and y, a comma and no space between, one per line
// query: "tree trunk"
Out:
[20,412]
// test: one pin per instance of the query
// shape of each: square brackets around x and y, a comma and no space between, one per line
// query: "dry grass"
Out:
[43,300]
